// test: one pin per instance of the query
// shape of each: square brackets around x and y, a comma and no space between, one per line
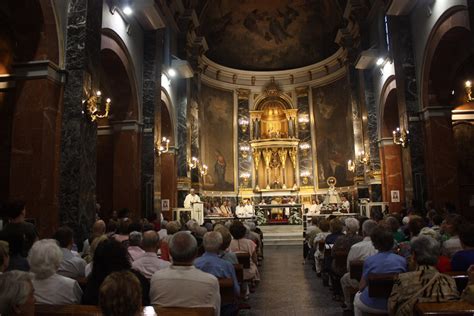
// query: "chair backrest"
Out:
[244,259]
[461,278]
[63,310]
[355,269]
[444,309]
[226,288]
[184,311]
[340,259]
[380,285]
[239,271]
[82,310]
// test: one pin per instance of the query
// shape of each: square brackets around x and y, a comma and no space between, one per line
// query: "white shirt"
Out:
[451,246]
[249,211]
[314,209]
[346,205]
[57,290]
[185,286]
[149,263]
[240,211]
[191,199]
[361,250]
[72,266]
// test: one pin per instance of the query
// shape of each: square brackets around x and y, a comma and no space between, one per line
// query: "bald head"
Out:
[151,241]
[98,228]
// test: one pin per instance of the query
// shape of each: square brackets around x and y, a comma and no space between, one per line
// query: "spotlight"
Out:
[172,72]
[380,61]
[127,10]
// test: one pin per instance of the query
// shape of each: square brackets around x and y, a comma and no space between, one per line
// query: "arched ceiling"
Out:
[270,34]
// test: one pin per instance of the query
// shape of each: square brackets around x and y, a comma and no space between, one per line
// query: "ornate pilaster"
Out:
[243,136]
[79,134]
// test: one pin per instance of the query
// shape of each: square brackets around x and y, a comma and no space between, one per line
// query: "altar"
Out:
[290,214]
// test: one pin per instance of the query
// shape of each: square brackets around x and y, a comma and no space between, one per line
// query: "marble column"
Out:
[183,146]
[245,164]
[441,161]
[392,171]
[305,161]
[408,109]
[79,134]
[152,61]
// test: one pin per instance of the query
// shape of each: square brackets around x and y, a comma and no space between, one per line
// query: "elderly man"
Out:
[210,261]
[134,245]
[149,262]
[191,198]
[183,285]
[358,251]
[72,266]
[98,229]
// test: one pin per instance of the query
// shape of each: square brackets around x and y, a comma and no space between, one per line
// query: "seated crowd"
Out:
[125,265]
[418,256]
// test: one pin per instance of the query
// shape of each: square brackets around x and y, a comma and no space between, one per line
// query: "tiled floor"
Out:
[290,288]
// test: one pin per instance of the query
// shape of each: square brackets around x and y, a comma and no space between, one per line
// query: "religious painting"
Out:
[217,138]
[271,34]
[334,132]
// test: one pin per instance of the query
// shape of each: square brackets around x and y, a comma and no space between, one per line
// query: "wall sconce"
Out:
[303,120]
[363,157]
[351,165]
[304,147]
[163,146]
[196,164]
[244,151]
[93,106]
[401,137]
[468,87]
[244,124]
[305,177]
[245,176]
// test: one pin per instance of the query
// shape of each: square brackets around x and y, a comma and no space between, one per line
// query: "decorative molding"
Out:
[40,69]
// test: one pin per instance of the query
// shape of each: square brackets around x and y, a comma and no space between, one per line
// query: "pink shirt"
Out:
[149,263]
[135,252]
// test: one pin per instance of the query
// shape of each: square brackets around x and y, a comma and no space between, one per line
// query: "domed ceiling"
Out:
[271,34]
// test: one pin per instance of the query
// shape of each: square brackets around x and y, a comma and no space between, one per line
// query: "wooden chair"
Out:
[239,271]
[226,288]
[461,278]
[244,259]
[355,269]
[380,285]
[184,311]
[444,309]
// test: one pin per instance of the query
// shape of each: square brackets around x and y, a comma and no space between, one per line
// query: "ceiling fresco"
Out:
[271,34]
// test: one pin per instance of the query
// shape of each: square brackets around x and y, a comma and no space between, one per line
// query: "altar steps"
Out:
[283,239]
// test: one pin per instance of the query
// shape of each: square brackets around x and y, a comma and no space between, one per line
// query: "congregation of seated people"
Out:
[407,261]
[125,265]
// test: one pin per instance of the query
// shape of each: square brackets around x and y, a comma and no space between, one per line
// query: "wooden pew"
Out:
[340,259]
[444,309]
[244,259]
[226,288]
[355,269]
[81,310]
[380,284]
[461,278]
[239,271]
[183,311]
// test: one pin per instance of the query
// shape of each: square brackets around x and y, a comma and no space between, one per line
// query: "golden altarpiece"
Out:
[274,142]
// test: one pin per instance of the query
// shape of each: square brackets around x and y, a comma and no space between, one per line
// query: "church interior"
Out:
[281,116]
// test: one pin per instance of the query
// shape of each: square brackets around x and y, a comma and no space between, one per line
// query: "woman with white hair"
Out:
[425,284]
[16,294]
[51,288]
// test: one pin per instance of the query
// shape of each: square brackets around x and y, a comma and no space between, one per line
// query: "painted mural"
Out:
[217,138]
[334,132]
[271,34]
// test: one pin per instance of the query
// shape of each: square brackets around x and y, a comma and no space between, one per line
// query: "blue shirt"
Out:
[220,268]
[462,260]
[382,262]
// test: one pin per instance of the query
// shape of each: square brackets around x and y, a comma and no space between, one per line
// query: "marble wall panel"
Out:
[181,113]
[392,178]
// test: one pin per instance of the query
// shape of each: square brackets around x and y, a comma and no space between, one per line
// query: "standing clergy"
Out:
[191,198]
